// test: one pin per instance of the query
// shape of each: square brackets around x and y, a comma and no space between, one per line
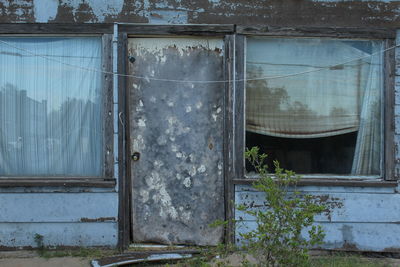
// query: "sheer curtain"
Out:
[324,102]
[50,113]
[367,156]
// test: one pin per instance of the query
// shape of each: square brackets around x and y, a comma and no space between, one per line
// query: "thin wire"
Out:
[204,81]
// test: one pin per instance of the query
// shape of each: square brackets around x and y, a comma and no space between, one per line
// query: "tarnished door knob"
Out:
[135,156]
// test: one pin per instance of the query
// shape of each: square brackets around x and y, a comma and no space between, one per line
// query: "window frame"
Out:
[386,35]
[103,31]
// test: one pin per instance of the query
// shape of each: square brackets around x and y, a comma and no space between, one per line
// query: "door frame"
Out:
[121,33]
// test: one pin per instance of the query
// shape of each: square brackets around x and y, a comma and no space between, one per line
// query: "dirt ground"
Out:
[32,259]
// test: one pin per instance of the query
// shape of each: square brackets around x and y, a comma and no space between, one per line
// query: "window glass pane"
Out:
[50,113]
[319,110]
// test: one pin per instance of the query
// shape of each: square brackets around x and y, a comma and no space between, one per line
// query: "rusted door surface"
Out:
[176,131]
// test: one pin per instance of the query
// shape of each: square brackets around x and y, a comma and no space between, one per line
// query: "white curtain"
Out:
[324,102]
[50,113]
[367,156]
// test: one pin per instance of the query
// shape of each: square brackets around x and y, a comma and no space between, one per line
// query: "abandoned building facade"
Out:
[126,121]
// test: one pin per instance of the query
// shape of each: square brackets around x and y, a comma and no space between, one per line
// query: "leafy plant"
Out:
[278,239]
[38,238]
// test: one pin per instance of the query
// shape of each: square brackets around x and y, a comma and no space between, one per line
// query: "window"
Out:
[320,109]
[51,107]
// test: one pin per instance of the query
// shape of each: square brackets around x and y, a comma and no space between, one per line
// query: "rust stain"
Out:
[155,15]
[210,146]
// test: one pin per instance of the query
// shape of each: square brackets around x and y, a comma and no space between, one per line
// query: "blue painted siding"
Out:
[58,207]
[63,219]
[358,219]
[377,237]
[59,234]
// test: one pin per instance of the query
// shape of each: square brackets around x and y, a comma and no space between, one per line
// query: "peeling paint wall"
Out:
[356,219]
[177,128]
[76,218]
[242,12]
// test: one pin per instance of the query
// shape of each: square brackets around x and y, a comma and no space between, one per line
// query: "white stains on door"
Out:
[138,143]
[162,140]
[144,194]
[201,169]
[158,164]
[162,199]
[142,123]
[187,182]
[199,105]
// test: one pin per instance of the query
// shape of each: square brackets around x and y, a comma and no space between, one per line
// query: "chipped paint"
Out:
[272,12]
[168,17]
[142,123]
[100,9]
[45,10]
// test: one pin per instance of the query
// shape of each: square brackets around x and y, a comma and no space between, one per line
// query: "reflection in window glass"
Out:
[322,120]
[50,113]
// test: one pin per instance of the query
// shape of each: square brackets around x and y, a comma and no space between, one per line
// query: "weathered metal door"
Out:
[176,131]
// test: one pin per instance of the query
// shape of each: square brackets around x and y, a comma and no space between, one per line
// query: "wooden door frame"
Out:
[125,177]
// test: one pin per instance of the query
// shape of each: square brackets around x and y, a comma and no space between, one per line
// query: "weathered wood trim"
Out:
[58,182]
[389,73]
[305,31]
[127,148]
[330,182]
[194,29]
[55,28]
[239,106]
[389,121]
[237,126]
[229,61]
[123,140]
[107,89]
